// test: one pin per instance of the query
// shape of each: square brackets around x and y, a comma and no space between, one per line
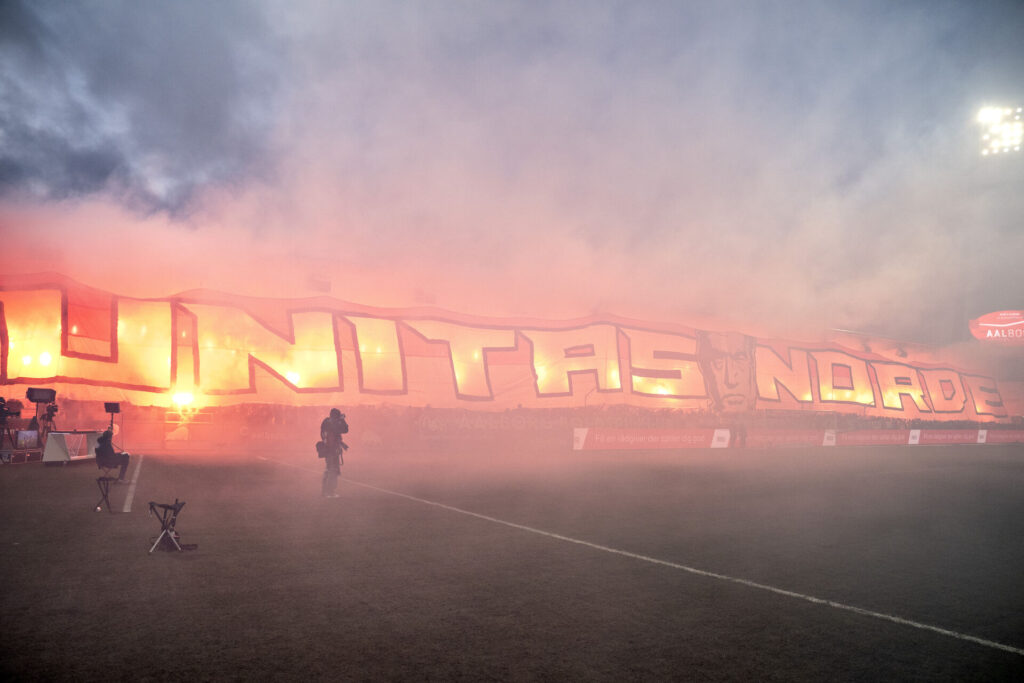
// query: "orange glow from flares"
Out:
[776,373]
[34,329]
[467,352]
[559,354]
[843,378]
[896,381]
[664,364]
[183,399]
[380,369]
[232,343]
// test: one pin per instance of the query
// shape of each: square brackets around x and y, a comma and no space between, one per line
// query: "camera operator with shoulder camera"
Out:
[331,430]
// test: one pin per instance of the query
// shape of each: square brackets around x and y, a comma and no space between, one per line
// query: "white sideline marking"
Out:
[691,570]
[131,489]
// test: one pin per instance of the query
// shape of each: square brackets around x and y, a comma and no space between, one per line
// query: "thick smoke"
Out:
[777,168]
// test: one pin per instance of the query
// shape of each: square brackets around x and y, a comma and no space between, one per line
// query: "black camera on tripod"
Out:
[6,411]
[41,397]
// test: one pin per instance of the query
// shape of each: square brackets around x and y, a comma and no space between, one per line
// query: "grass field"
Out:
[480,563]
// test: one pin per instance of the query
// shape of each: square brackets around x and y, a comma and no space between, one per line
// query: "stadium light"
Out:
[1002,129]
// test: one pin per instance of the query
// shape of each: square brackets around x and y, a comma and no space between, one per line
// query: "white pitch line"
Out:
[131,489]
[693,570]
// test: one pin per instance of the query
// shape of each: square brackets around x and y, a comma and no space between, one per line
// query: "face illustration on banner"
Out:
[727,361]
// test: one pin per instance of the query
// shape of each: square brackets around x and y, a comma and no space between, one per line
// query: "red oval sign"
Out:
[1003,327]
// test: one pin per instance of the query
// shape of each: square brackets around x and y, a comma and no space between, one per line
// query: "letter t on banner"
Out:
[380,360]
[467,349]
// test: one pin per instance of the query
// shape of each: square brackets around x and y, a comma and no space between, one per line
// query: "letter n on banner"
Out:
[231,343]
[773,372]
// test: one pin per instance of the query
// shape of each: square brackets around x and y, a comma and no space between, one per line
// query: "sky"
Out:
[780,168]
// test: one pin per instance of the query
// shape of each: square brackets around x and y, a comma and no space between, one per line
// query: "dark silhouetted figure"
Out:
[331,430]
[107,457]
[739,435]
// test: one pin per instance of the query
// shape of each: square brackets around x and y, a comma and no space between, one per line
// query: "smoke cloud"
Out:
[777,168]
[144,102]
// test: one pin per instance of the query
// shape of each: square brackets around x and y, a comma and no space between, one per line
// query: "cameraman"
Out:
[331,430]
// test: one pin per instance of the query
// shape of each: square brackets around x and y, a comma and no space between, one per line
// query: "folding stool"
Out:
[168,516]
[104,485]
[109,471]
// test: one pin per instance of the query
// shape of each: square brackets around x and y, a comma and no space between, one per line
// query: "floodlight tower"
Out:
[1002,129]
[994,172]
[998,175]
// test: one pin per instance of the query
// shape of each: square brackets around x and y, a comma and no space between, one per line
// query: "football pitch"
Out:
[487,562]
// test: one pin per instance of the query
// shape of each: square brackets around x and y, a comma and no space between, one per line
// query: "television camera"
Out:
[8,409]
[12,409]
[48,413]
[46,408]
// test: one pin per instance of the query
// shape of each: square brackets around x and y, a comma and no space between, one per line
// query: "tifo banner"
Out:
[209,349]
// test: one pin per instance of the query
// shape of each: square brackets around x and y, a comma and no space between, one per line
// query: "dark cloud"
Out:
[147,100]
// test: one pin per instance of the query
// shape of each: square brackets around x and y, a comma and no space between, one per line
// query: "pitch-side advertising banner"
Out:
[1000,327]
[602,439]
[215,349]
